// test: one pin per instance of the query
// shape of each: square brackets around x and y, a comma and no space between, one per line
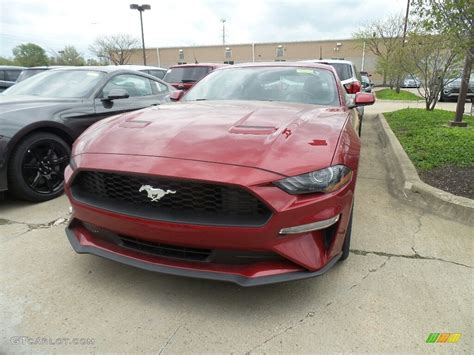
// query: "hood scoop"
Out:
[256,130]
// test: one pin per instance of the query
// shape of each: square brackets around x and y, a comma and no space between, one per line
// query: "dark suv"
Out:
[183,77]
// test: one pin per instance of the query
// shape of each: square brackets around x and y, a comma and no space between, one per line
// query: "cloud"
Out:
[54,24]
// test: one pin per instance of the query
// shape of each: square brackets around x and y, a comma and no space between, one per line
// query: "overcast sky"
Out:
[54,24]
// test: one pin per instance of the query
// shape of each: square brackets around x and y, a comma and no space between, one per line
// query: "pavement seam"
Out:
[415,255]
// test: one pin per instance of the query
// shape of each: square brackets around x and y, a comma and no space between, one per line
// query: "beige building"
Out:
[348,49]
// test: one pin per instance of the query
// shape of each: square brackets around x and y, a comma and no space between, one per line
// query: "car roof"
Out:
[138,67]
[214,65]
[45,67]
[329,61]
[6,67]
[281,64]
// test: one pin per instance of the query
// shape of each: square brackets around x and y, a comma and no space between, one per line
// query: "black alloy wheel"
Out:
[36,170]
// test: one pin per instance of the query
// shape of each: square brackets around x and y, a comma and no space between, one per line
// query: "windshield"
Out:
[288,84]
[186,74]
[58,84]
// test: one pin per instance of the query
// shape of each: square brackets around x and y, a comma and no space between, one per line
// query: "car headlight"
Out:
[324,180]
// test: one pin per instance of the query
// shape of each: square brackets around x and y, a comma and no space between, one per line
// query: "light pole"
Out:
[223,30]
[140,9]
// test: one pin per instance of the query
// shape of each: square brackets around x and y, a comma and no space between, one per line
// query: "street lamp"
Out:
[140,9]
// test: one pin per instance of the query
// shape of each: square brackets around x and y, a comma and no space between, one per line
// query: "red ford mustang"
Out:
[249,178]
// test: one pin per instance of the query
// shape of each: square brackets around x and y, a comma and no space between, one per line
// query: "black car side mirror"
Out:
[116,94]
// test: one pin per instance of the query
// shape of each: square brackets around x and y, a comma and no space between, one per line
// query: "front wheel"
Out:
[36,168]
[347,239]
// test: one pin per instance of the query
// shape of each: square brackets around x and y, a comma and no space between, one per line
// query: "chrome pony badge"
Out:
[155,194]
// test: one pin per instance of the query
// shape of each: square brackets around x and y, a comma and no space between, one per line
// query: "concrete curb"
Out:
[445,203]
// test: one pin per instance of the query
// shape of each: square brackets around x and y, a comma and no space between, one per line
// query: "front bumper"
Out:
[273,274]
[300,255]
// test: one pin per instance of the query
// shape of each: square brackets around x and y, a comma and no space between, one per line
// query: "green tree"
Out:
[68,56]
[430,58]
[7,61]
[30,55]
[453,19]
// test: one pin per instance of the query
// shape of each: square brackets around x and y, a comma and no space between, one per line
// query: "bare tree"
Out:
[383,38]
[117,48]
[433,60]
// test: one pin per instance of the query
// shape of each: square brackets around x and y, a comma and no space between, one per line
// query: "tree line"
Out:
[113,49]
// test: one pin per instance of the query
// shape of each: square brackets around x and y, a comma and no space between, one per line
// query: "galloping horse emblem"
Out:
[155,194]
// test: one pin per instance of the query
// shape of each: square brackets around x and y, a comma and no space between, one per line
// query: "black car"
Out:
[451,87]
[8,76]
[32,71]
[41,117]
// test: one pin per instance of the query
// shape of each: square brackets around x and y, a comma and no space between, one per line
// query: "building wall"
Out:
[263,52]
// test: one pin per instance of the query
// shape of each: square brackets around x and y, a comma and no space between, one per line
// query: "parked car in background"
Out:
[451,87]
[155,71]
[411,82]
[367,84]
[249,179]
[184,76]
[350,79]
[8,76]
[41,117]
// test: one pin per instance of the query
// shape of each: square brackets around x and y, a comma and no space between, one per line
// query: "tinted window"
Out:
[186,74]
[12,75]
[344,71]
[134,84]
[58,84]
[289,84]
[157,73]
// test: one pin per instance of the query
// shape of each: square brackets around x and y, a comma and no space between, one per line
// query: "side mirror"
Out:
[363,99]
[116,94]
[176,95]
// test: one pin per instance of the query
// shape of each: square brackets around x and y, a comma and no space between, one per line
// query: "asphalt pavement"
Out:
[410,274]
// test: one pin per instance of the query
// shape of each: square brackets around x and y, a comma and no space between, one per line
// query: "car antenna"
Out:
[195,60]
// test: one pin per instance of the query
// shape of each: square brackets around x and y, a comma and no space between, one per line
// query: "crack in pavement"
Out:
[405,256]
[312,313]
[168,341]
[33,226]
[370,272]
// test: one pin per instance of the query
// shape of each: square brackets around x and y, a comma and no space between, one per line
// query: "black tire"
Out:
[442,98]
[360,127]
[36,167]
[347,239]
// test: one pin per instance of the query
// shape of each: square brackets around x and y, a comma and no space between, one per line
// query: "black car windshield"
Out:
[186,74]
[288,84]
[58,84]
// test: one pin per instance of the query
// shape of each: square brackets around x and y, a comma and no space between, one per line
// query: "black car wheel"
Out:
[36,169]
[347,239]
[442,98]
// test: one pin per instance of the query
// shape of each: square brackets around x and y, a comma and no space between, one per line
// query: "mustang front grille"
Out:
[167,199]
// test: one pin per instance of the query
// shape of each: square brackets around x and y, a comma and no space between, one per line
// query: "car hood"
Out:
[288,139]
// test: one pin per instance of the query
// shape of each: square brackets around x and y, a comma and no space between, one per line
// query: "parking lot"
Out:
[409,274]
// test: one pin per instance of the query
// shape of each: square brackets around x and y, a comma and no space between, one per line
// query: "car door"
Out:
[143,92]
